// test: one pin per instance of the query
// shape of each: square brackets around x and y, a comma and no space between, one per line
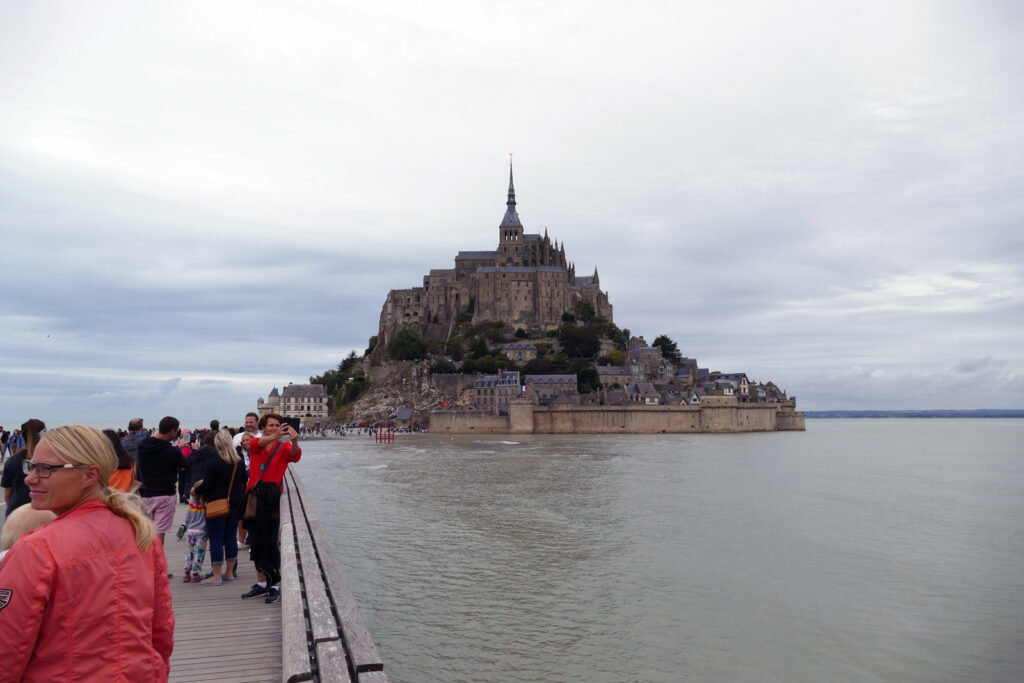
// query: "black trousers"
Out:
[264,530]
[183,487]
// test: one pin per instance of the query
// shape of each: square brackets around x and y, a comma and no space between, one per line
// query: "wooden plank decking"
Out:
[314,632]
[217,635]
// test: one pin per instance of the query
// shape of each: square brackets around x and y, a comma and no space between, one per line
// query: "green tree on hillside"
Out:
[669,350]
[350,360]
[579,342]
[585,312]
[408,345]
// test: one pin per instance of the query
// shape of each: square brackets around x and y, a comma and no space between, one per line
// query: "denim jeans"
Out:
[223,532]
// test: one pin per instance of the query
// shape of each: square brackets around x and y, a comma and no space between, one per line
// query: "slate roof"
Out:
[616,397]
[520,269]
[503,379]
[551,379]
[404,414]
[305,391]
[475,255]
[612,371]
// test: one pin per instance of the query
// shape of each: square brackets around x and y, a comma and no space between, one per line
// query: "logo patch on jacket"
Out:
[5,596]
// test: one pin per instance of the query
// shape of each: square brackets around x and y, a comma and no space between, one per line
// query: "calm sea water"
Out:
[859,550]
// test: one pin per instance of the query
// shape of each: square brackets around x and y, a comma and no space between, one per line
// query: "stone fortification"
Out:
[526,418]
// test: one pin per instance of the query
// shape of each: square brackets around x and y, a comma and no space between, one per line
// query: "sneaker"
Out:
[254,592]
[170,575]
[229,577]
[210,581]
[180,532]
[187,578]
[273,595]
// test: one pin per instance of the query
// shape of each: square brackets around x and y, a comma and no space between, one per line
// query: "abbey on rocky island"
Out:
[526,282]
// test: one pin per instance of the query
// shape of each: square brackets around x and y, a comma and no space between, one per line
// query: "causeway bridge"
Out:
[315,632]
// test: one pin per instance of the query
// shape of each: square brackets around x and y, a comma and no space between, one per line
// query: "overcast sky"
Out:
[199,201]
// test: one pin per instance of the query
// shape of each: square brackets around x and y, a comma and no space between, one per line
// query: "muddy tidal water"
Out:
[859,550]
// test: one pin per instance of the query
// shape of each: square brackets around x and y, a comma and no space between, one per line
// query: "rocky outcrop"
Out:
[406,384]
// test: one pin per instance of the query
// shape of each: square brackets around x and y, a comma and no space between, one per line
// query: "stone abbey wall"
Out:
[525,418]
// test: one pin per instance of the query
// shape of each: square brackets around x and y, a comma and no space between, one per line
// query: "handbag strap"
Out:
[232,482]
[263,467]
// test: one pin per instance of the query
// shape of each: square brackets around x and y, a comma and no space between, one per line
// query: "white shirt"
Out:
[237,441]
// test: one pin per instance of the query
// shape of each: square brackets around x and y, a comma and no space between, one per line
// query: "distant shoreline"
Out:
[985,413]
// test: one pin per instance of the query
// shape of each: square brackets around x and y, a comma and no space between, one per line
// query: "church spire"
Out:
[511,219]
[511,187]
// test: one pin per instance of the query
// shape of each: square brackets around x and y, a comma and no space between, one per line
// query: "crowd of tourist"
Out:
[84,582]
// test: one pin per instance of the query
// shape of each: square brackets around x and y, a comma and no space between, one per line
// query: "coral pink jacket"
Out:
[79,601]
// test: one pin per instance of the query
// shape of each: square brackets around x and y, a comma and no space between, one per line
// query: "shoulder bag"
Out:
[249,511]
[222,506]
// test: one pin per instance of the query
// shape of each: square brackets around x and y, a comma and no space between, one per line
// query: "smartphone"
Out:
[293,421]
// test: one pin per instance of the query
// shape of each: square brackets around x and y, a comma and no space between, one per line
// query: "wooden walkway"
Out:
[314,633]
[217,635]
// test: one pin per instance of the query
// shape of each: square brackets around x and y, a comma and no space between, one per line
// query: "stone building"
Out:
[610,375]
[526,282]
[550,386]
[305,401]
[519,352]
[494,392]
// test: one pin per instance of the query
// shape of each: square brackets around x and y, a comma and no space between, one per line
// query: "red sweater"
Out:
[286,453]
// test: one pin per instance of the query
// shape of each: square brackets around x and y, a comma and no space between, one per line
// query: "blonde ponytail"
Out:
[129,506]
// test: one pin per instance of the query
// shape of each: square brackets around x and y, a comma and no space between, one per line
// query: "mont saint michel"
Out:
[513,340]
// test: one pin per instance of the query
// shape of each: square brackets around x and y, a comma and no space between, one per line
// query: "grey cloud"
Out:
[785,201]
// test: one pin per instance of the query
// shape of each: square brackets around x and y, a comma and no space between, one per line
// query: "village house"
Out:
[494,392]
[550,386]
[643,393]
[612,375]
[519,352]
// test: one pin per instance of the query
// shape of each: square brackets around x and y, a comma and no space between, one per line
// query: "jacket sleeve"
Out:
[209,472]
[163,615]
[27,572]
[205,472]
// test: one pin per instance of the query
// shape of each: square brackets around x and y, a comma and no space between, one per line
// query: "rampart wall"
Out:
[467,422]
[525,418]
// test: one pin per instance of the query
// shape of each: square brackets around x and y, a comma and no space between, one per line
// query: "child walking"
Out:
[195,528]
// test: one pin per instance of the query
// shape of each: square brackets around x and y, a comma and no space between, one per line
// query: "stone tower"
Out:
[510,232]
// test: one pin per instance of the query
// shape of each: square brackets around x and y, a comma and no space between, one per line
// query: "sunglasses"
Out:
[42,469]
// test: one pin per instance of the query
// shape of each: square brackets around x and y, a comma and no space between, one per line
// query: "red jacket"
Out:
[79,601]
[287,452]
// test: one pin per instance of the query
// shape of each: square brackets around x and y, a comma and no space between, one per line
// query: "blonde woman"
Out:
[86,596]
[216,480]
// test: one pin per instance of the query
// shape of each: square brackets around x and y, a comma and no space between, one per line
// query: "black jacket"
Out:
[197,463]
[159,462]
[216,477]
